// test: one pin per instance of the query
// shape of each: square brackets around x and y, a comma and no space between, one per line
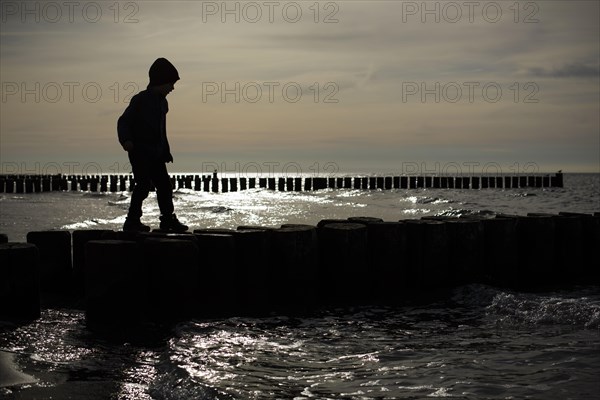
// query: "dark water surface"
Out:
[477,343]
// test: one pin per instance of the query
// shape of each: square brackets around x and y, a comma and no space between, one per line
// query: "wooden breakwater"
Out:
[126,277]
[213,183]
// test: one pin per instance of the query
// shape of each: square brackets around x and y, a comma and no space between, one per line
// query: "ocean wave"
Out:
[520,308]
[93,223]
[427,200]
[466,213]
[522,194]
[96,194]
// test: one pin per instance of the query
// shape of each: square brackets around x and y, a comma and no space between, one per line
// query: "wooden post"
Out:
[500,251]
[83,184]
[19,282]
[557,180]
[567,258]
[428,182]
[412,182]
[387,257]
[485,182]
[233,184]
[308,184]
[347,182]
[364,220]
[450,182]
[522,181]
[252,277]
[546,181]
[79,239]
[104,184]
[55,259]
[465,250]
[326,221]
[294,269]
[113,183]
[515,182]
[28,185]
[568,249]
[173,277]
[427,254]
[404,182]
[319,183]
[466,182]
[122,183]
[19,185]
[499,182]
[536,250]
[217,294]
[224,185]
[343,263]
[116,291]
[444,182]
[46,185]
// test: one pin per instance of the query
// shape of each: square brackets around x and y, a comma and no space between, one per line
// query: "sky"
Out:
[307,86]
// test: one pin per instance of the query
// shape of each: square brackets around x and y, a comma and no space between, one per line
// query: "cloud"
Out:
[368,54]
[570,70]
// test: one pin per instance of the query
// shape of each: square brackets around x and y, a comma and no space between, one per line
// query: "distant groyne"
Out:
[129,277]
[212,183]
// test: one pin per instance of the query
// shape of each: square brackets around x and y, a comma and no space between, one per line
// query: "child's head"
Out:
[163,76]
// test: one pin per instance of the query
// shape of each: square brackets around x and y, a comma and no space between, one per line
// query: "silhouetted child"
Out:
[142,133]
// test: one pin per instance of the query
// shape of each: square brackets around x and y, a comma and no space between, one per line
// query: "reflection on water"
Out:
[479,343]
[198,209]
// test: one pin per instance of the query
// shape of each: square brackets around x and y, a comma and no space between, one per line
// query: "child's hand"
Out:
[128,145]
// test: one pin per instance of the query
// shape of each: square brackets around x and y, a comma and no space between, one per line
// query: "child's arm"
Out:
[124,125]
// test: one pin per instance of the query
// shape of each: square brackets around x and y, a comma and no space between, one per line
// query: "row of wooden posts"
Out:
[124,277]
[208,183]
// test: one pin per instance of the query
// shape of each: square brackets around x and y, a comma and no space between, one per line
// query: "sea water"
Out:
[22,213]
[475,342]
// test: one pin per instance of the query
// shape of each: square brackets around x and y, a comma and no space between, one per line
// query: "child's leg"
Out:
[164,189]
